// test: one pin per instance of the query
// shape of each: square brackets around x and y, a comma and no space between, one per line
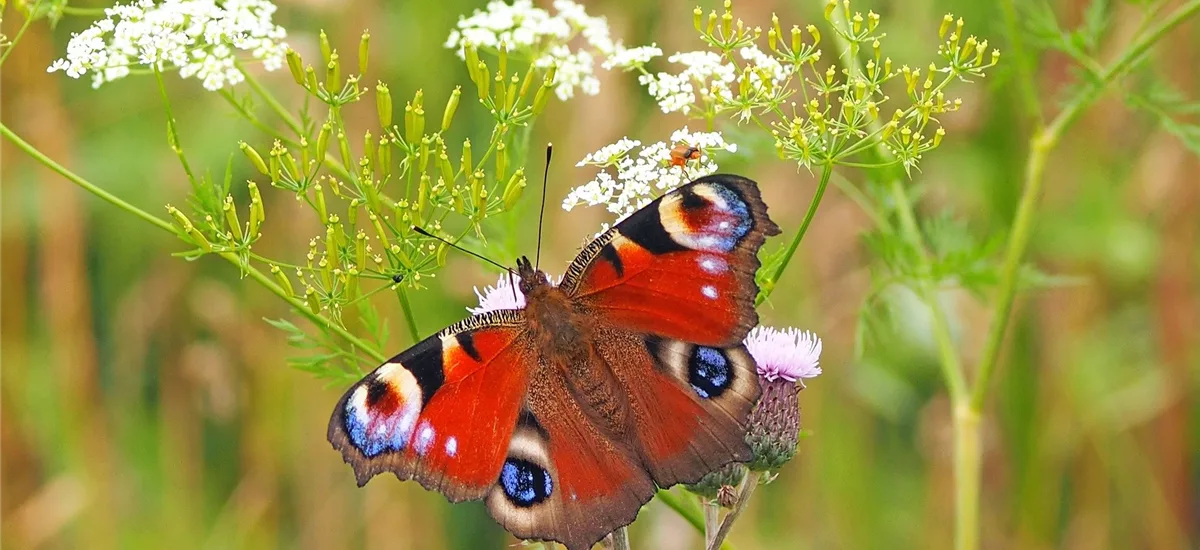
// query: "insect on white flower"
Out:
[645,175]
[198,37]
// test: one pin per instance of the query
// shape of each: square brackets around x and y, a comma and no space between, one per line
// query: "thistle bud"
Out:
[451,106]
[710,485]
[295,66]
[383,104]
[363,52]
[782,358]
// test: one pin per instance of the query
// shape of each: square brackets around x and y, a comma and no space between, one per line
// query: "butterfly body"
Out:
[565,416]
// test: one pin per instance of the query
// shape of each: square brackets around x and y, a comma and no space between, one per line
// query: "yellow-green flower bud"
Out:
[423,154]
[815,33]
[477,196]
[333,73]
[422,197]
[947,20]
[471,56]
[829,7]
[383,104]
[513,189]
[451,107]
[282,278]
[295,66]
[937,136]
[321,210]
[344,150]
[290,166]
[326,50]
[485,80]
[727,25]
[363,52]
[712,23]
[257,213]
[502,61]
[697,15]
[465,163]
[310,296]
[872,20]
[856,23]
[254,158]
[501,160]
[310,77]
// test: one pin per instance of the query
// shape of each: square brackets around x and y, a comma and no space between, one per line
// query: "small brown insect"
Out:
[683,153]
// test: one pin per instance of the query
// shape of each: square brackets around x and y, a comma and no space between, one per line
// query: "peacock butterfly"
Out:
[566,415]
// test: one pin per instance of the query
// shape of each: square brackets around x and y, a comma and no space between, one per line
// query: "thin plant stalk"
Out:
[749,484]
[826,173]
[258,276]
[712,519]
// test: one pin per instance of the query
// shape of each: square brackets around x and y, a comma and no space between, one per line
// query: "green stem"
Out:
[952,370]
[255,274]
[826,173]
[688,513]
[749,484]
[270,99]
[20,32]
[968,457]
[1041,145]
[621,538]
[408,314]
[86,185]
[1025,72]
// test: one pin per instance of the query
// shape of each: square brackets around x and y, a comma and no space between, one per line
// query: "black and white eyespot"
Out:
[525,483]
[710,372]
[527,478]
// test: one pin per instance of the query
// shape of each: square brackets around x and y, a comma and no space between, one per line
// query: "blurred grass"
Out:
[145,403]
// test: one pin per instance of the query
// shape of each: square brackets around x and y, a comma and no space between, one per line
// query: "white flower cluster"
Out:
[629,58]
[543,37]
[705,78]
[645,175]
[197,37]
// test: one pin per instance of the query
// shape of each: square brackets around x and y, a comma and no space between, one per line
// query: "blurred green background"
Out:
[146,404]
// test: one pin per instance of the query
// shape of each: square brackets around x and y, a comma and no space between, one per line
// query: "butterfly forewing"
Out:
[441,412]
[681,267]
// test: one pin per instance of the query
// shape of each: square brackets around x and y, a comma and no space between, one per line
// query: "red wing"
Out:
[566,478]
[682,267]
[441,412]
[690,403]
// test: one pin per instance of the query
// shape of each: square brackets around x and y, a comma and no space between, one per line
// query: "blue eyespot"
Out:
[709,372]
[525,483]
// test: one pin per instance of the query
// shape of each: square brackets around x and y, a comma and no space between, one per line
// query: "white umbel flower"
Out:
[544,37]
[200,38]
[642,175]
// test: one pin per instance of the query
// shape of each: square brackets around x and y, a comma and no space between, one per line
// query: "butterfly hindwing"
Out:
[681,267]
[690,402]
[442,411]
[567,476]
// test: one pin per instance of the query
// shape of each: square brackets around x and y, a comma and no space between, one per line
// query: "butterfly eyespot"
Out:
[381,413]
[525,483]
[709,372]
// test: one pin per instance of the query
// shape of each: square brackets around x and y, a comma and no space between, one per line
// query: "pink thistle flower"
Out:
[787,354]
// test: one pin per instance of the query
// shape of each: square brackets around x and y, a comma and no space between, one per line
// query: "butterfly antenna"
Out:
[461,249]
[542,213]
